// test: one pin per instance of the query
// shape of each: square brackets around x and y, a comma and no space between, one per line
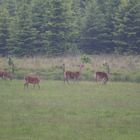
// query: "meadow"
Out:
[85,110]
[76,111]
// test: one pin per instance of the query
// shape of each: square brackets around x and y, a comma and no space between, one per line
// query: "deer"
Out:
[5,75]
[101,76]
[31,79]
[71,75]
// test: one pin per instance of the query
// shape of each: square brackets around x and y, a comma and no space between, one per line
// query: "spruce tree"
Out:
[4,33]
[12,42]
[94,30]
[132,28]
[25,32]
[40,18]
[119,37]
[60,28]
[127,28]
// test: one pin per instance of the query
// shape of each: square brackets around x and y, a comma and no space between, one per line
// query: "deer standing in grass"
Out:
[5,75]
[101,76]
[31,79]
[72,75]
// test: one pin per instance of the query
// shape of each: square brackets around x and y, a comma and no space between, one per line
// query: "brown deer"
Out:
[72,75]
[5,75]
[31,79]
[101,76]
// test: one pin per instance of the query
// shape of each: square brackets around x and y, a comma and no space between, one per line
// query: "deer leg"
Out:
[104,81]
[66,79]
[78,79]
[96,78]
[75,79]
[38,85]
[4,77]
[25,85]
[33,85]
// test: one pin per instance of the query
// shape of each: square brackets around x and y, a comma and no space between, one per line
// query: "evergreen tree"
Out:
[12,7]
[127,28]
[118,34]
[79,12]
[12,42]
[4,34]
[59,30]
[40,18]
[25,32]
[94,31]
[132,28]
[109,8]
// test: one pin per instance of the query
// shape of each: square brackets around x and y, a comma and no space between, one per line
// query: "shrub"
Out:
[85,59]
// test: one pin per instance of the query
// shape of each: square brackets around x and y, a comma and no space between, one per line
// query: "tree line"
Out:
[56,27]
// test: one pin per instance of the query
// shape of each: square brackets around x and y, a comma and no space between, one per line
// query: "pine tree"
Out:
[4,34]
[94,30]
[59,30]
[132,28]
[12,42]
[40,18]
[119,37]
[127,28]
[25,32]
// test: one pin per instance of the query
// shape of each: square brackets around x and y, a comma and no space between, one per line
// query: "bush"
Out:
[85,59]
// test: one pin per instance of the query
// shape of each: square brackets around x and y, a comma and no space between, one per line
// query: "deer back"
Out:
[101,75]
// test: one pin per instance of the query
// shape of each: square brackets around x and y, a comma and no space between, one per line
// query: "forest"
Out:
[57,27]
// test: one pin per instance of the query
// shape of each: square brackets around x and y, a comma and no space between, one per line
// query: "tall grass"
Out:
[122,67]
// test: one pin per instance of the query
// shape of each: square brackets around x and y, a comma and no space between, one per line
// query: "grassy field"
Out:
[81,111]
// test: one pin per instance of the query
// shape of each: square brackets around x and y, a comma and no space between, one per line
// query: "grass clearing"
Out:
[58,111]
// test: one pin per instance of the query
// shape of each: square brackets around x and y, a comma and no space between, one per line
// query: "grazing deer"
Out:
[5,75]
[73,75]
[31,79]
[101,76]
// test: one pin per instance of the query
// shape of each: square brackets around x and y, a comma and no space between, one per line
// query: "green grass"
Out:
[58,111]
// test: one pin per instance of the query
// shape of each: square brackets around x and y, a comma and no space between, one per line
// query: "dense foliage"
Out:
[34,27]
